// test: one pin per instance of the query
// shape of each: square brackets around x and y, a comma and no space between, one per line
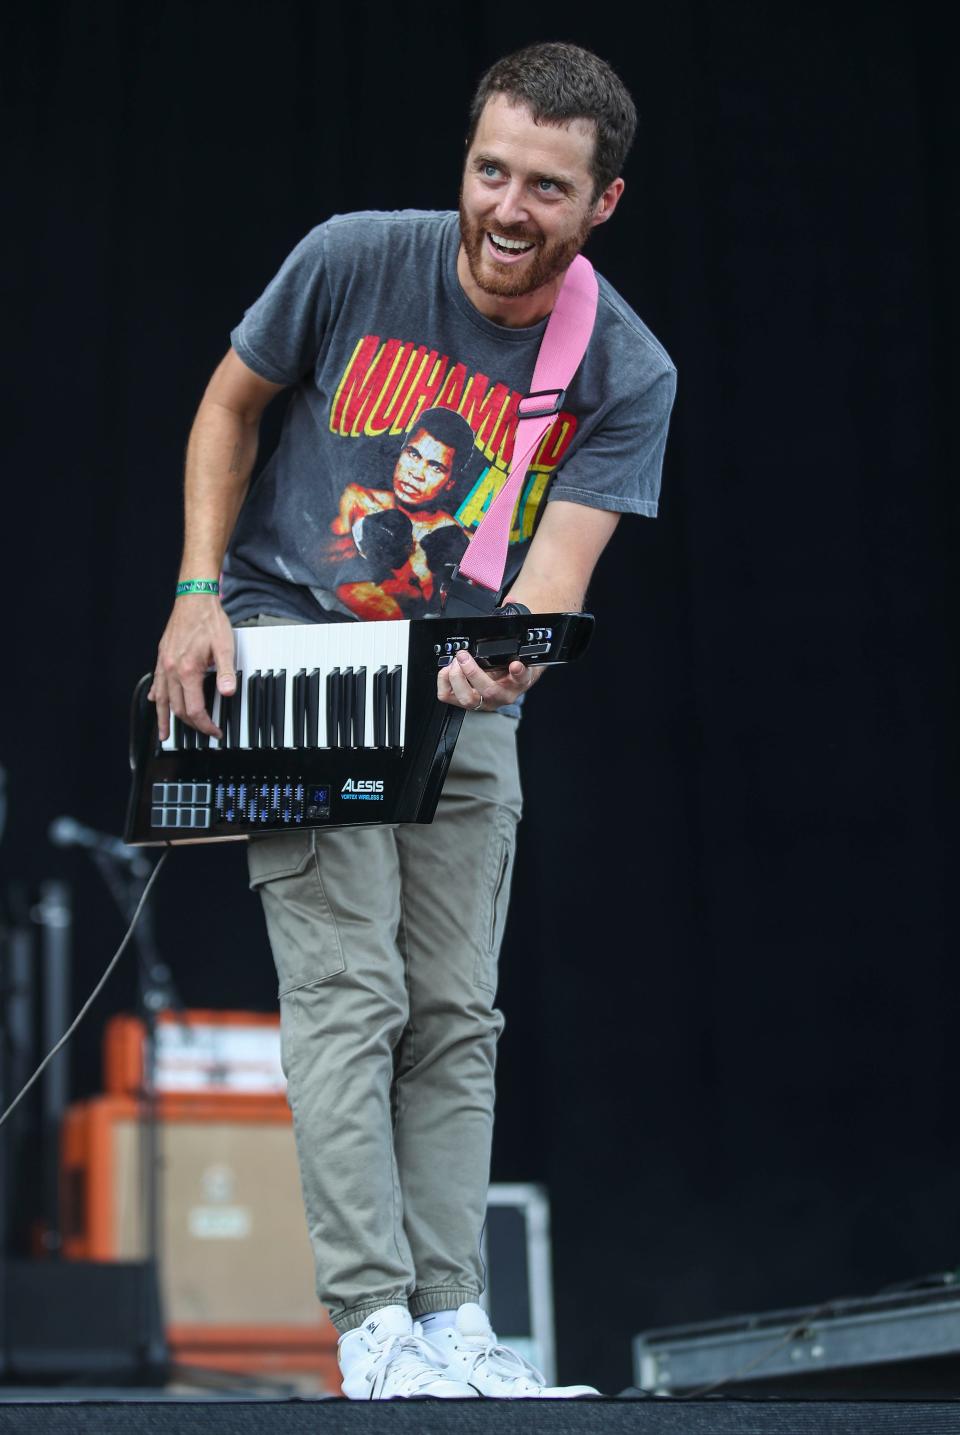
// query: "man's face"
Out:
[424,469]
[529,185]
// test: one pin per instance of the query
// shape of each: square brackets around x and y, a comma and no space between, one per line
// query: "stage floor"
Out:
[89,1411]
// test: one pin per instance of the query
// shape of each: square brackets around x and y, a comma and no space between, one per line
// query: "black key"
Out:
[254,707]
[333,708]
[226,712]
[380,707]
[233,716]
[177,730]
[209,693]
[313,709]
[266,707]
[190,736]
[300,708]
[393,705]
[346,707]
[279,706]
[359,706]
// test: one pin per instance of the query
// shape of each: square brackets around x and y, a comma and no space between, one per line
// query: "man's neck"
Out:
[512,313]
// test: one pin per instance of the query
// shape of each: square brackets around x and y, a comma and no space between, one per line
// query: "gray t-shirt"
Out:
[400,429]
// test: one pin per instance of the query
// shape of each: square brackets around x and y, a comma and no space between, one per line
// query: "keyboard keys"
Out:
[393,706]
[313,709]
[380,707]
[359,706]
[336,685]
[300,708]
[254,706]
[333,708]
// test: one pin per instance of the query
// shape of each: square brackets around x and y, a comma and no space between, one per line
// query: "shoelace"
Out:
[507,1363]
[411,1353]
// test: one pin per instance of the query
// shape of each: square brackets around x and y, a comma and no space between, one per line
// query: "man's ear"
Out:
[607,202]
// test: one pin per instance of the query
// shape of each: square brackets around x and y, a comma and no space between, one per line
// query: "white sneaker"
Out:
[472,1354]
[387,1358]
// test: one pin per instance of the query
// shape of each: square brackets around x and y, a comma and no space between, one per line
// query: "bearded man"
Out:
[386,939]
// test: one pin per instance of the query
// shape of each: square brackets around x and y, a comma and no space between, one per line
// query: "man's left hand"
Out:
[463,683]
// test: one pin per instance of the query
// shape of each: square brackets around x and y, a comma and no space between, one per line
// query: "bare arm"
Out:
[220,458]
[554,578]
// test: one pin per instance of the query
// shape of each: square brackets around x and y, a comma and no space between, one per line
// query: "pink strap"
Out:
[562,347]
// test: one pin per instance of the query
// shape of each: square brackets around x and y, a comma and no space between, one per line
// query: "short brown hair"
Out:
[559,82]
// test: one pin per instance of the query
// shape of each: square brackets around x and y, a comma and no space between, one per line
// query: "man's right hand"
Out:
[198,635]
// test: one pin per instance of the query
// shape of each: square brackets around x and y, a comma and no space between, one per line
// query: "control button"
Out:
[201,792]
[170,791]
[186,792]
[157,793]
[533,650]
[436,647]
[169,817]
[448,647]
[156,813]
[201,817]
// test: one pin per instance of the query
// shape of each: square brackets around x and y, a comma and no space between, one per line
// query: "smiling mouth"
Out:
[506,248]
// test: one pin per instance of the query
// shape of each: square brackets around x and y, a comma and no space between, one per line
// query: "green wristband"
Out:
[198,585]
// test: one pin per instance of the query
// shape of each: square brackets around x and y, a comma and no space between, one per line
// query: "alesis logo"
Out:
[362,789]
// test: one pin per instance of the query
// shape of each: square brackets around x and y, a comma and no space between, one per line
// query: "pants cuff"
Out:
[428,1299]
[349,1319]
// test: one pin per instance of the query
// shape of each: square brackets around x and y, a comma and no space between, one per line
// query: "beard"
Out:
[548,261]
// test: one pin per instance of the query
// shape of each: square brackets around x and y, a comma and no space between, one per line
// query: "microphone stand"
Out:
[156,992]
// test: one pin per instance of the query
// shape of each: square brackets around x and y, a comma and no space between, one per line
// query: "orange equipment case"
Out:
[236,1270]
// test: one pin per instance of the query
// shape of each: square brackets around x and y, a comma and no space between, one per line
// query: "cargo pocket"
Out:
[498,870]
[300,921]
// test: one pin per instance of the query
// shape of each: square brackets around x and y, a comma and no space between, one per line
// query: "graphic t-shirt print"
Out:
[396,537]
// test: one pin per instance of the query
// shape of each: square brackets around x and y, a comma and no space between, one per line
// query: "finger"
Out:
[158,694]
[226,673]
[194,701]
[460,690]
[520,674]
[175,696]
[463,683]
[445,693]
[468,681]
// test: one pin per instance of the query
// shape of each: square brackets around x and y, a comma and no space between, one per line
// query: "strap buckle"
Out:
[541,411]
[462,598]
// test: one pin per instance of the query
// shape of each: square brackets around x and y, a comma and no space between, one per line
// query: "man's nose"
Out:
[512,208]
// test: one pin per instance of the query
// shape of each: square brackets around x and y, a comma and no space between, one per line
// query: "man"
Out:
[386,939]
[406,537]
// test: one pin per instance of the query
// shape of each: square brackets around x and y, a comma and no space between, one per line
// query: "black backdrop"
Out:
[728,974]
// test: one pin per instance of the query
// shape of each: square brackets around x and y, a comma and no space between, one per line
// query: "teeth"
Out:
[511,243]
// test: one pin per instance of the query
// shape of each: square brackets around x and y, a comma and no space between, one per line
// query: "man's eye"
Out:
[489,171]
[546,185]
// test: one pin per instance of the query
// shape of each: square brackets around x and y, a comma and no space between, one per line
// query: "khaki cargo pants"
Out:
[385,941]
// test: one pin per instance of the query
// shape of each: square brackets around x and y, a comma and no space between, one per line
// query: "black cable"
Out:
[93,995]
